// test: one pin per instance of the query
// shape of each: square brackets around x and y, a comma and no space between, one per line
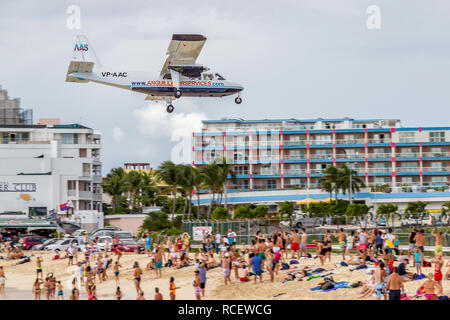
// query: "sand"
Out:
[20,279]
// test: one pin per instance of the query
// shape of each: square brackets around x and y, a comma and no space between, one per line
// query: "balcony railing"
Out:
[435,169]
[320,142]
[408,169]
[349,156]
[408,155]
[297,157]
[379,155]
[71,193]
[295,171]
[350,141]
[435,154]
[374,141]
[294,142]
[379,170]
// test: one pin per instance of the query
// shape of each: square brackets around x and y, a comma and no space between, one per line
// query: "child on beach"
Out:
[158,295]
[418,260]
[172,288]
[37,289]
[198,292]
[118,294]
[60,291]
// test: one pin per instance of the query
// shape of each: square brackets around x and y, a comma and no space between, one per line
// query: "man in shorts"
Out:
[412,243]
[438,242]
[394,285]
[341,239]
[202,274]
[226,267]
[380,284]
[256,263]
[158,262]
[363,241]
[295,243]
[39,267]
[303,243]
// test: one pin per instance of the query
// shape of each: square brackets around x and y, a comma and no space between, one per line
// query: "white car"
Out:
[63,244]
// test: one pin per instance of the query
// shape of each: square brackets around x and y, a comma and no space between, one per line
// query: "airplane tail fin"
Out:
[83,59]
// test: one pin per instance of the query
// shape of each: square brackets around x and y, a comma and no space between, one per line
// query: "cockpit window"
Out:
[219,77]
[207,76]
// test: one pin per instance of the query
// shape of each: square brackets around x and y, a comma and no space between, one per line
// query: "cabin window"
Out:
[219,77]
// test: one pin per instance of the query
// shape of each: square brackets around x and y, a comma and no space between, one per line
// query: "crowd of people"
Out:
[268,254]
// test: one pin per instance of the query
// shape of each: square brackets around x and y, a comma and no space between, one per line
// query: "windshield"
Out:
[122,235]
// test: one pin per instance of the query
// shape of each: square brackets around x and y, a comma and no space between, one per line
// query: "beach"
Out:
[20,279]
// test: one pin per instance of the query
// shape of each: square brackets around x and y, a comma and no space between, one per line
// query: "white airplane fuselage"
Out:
[152,84]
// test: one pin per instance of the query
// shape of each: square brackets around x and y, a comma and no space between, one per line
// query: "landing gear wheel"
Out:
[170,108]
[177,94]
[238,100]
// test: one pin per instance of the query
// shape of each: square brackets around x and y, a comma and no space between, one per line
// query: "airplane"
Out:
[180,75]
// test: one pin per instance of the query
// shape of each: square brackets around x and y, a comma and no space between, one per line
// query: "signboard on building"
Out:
[17,187]
[199,232]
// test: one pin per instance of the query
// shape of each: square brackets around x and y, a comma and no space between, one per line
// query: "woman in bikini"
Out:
[270,263]
[37,288]
[429,288]
[116,267]
[118,294]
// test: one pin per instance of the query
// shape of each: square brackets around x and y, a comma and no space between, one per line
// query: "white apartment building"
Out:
[43,166]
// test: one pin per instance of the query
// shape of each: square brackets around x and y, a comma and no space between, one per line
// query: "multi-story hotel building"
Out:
[292,154]
[45,165]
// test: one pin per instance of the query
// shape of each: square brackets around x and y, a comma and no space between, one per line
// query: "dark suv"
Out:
[30,241]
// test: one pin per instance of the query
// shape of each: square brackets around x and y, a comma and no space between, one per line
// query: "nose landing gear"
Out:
[170,108]
[238,100]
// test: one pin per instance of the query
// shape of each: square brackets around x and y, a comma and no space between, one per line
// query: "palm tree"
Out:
[331,180]
[416,209]
[186,179]
[134,180]
[167,171]
[224,172]
[386,210]
[211,177]
[344,181]
[115,184]
[198,185]
[445,210]
[148,188]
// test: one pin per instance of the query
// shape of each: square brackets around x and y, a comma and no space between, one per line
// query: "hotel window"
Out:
[269,169]
[437,152]
[240,156]
[353,166]
[381,152]
[297,168]
[322,154]
[242,184]
[69,138]
[209,141]
[210,156]
[410,179]
[439,180]
[267,154]
[439,166]
[241,170]
[406,137]
[437,136]
[297,154]
[351,138]
[298,182]
[240,140]
[379,138]
[409,167]
[270,184]
[352,153]
[297,139]
[321,139]
[381,167]
[409,152]
[382,180]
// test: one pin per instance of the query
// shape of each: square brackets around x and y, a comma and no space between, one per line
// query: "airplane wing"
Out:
[183,50]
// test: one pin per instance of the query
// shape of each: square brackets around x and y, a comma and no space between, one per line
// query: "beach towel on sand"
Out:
[294,262]
[337,285]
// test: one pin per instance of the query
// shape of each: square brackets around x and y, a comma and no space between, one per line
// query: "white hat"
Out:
[226,254]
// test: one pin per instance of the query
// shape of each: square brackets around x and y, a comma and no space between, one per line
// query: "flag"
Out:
[66,206]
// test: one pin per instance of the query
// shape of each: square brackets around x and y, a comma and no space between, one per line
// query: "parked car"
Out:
[128,245]
[63,244]
[123,235]
[41,246]
[411,221]
[101,233]
[29,242]
[301,220]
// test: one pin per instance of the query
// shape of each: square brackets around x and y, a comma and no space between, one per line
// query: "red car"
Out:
[29,242]
[128,245]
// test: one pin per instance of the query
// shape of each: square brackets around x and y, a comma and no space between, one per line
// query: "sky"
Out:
[295,58]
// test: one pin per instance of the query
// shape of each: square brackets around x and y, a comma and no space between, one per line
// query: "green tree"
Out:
[416,209]
[445,211]
[357,210]
[225,173]
[331,180]
[259,212]
[220,213]
[168,173]
[386,210]
[242,211]
[186,175]
[115,184]
[156,221]
[212,181]
[287,210]
[344,181]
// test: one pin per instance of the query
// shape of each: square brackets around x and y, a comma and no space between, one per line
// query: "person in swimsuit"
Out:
[350,243]
[303,244]
[39,267]
[37,288]
[428,288]
[295,244]
[341,240]
[251,251]
[118,294]
[226,267]
[438,242]
[394,285]
[172,288]
[412,244]
[60,291]
[47,288]
[116,270]
[380,281]
[137,277]
[438,263]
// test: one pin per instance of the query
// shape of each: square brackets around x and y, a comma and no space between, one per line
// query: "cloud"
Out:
[118,134]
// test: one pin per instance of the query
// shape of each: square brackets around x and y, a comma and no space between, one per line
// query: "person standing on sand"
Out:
[158,262]
[172,288]
[226,267]
[198,290]
[341,239]
[137,277]
[394,285]
[2,281]
[202,274]
[256,264]
[380,284]
[438,242]
[438,263]
[158,295]
[295,244]
[39,267]
[60,291]
[217,237]
[47,288]
[118,294]
[420,242]
[37,288]
[116,270]
[303,244]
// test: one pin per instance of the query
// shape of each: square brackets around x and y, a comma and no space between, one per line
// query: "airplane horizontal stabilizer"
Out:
[76,67]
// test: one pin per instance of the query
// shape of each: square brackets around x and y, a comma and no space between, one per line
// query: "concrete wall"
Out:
[128,222]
